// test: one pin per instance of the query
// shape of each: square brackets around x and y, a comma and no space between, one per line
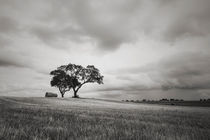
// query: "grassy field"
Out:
[92,119]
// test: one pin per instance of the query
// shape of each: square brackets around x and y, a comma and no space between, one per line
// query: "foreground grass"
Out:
[45,120]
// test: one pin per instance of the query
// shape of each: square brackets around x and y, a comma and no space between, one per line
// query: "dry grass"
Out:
[54,119]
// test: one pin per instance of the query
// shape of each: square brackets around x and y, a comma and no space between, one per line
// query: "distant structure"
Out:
[50,94]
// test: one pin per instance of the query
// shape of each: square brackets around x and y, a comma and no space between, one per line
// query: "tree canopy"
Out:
[72,76]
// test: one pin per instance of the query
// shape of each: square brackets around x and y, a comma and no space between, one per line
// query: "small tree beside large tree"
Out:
[71,76]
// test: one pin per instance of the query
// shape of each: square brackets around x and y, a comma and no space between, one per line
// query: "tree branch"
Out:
[67,90]
[81,85]
[60,89]
[74,89]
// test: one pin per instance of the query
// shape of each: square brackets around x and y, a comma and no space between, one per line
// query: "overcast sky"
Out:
[144,48]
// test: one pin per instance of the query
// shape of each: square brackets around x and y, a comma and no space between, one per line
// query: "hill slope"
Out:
[56,118]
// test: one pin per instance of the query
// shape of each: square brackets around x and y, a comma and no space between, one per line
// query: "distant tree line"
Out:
[205,100]
[163,100]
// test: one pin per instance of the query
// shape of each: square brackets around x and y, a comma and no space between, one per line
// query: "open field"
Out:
[56,118]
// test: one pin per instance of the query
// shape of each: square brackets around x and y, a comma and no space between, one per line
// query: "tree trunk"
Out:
[62,93]
[75,94]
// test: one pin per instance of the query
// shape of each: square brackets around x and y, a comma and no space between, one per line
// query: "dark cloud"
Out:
[51,35]
[7,25]
[174,20]
[9,63]
[114,23]
[4,42]
[169,21]
[8,28]
[9,58]
[188,72]
[110,24]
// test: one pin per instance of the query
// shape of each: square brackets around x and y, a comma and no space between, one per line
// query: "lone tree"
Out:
[74,76]
[60,80]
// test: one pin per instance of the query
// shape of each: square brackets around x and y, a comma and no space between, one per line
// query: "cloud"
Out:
[174,20]
[7,25]
[10,58]
[22,81]
[112,24]
[8,29]
[109,24]
[184,66]
[52,35]
[9,63]
[157,45]
[187,72]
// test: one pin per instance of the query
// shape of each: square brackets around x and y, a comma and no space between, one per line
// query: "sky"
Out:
[145,49]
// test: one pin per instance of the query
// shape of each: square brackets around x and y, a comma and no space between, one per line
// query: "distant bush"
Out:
[164,99]
[144,100]
[171,100]
[137,101]
[205,100]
